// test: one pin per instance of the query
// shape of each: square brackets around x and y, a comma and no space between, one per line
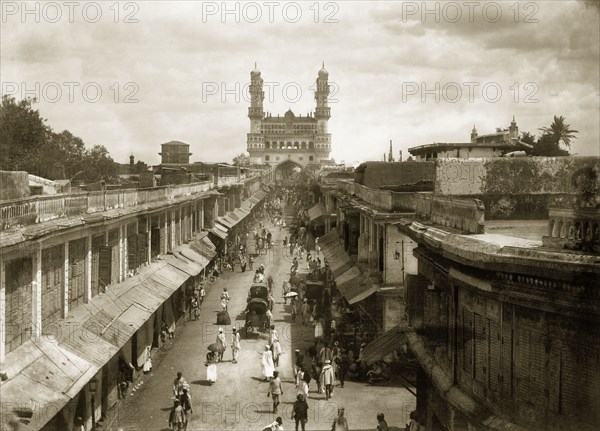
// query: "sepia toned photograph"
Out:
[299,215]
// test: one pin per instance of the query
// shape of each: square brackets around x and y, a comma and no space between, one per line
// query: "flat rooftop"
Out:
[530,230]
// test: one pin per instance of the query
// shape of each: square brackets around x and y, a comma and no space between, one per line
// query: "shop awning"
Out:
[339,262]
[189,253]
[219,230]
[357,289]
[257,197]
[261,194]
[45,373]
[204,246]
[187,260]
[47,378]
[385,344]
[226,221]
[241,213]
[347,276]
[315,212]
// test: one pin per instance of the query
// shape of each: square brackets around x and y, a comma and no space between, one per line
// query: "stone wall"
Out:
[463,213]
[13,185]
[513,188]
[377,174]
[459,213]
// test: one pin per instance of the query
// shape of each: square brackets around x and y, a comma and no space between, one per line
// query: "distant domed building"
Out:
[290,141]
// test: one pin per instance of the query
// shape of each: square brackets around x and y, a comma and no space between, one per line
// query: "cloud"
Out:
[167,59]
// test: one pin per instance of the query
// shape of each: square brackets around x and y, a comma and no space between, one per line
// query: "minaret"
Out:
[322,112]
[257,95]
[254,144]
[473,134]
[513,131]
[391,153]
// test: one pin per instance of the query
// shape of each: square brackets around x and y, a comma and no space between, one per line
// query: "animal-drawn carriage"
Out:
[256,309]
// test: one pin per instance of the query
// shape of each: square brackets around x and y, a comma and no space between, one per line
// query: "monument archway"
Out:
[287,171]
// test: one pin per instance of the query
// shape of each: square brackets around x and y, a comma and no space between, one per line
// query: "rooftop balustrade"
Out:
[381,199]
[37,209]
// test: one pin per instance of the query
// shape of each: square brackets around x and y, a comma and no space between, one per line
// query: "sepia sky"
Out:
[412,72]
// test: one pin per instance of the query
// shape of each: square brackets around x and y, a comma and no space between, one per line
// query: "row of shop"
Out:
[81,365]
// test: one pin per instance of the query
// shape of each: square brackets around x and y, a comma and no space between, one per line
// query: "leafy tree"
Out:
[547,146]
[99,165]
[23,135]
[28,144]
[560,132]
[141,167]
[241,160]
[63,156]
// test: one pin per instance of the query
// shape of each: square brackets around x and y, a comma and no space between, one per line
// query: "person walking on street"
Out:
[202,294]
[235,345]
[325,353]
[340,423]
[225,299]
[294,310]
[177,417]
[275,390]
[250,262]
[186,405]
[414,425]
[275,426]
[275,346]
[300,411]
[178,384]
[221,345]
[270,283]
[305,312]
[327,378]
[343,364]
[381,423]
[298,361]
[267,363]
[318,329]
[269,316]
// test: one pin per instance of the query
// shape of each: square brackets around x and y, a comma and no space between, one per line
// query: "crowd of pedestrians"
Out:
[327,361]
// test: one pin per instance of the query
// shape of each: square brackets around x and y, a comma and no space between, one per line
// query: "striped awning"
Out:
[357,289]
[333,251]
[385,344]
[316,211]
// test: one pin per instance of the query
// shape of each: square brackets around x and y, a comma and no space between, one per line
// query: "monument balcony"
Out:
[573,228]
[294,150]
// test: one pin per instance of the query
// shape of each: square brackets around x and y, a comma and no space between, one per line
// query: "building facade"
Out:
[88,278]
[500,314]
[175,153]
[289,141]
[490,145]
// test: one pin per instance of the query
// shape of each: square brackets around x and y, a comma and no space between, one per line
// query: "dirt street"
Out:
[238,400]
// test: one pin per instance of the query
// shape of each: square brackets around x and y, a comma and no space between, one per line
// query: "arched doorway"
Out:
[287,171]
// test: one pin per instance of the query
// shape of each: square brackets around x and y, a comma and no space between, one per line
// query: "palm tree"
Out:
[560,131]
